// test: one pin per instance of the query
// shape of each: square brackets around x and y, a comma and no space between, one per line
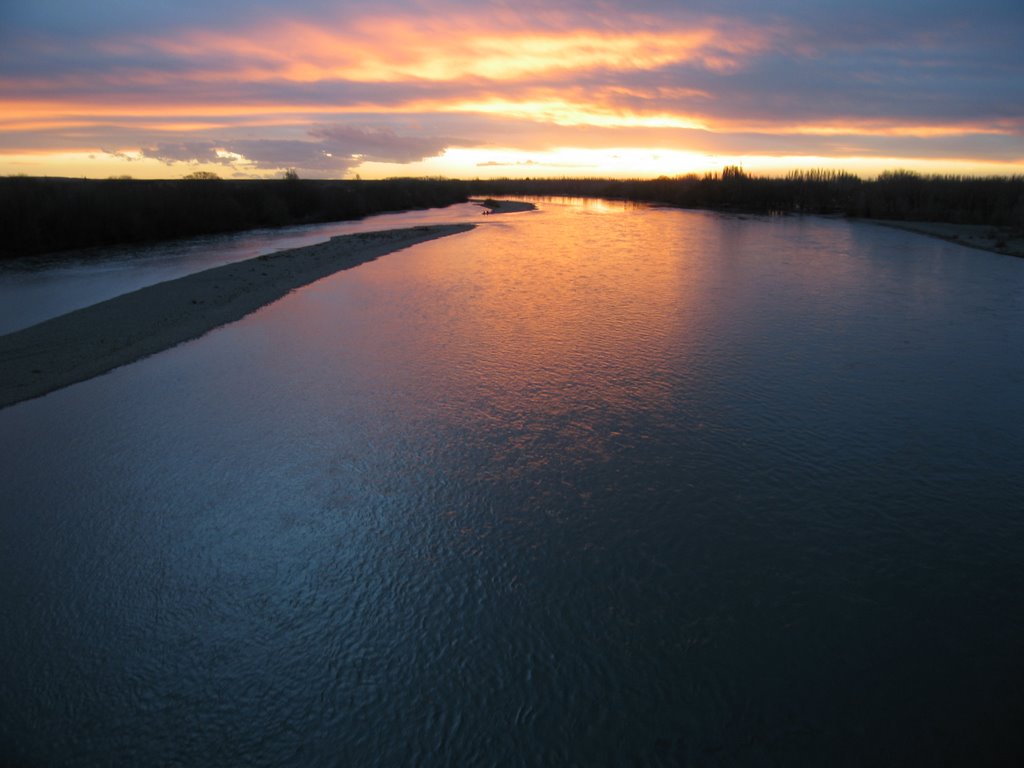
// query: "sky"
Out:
[484,89]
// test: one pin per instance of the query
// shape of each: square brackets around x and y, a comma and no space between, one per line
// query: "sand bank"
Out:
[987,238]
[90,341]
[504,206]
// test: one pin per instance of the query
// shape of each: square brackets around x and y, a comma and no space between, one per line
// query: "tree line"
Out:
[45,215]
[995,200]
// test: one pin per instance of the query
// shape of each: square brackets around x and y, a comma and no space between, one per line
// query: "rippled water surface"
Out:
[594,485]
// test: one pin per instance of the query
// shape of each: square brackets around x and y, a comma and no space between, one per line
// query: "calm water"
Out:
[593,486]
[31,291]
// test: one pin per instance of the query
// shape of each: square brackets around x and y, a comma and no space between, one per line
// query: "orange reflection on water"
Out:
[565,323]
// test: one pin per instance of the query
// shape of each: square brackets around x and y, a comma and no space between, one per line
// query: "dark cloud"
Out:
[381,144]
[184,152]
[269,154]
[119,155]
[287,153]
[329,150]
[104,17]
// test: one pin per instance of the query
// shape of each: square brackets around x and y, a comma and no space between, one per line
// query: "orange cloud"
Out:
[397,49]
[548,79]
[562,112]
[570,106]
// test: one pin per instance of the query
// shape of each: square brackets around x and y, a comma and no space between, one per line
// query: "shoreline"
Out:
[503,206]
[91,341]
[1001,240]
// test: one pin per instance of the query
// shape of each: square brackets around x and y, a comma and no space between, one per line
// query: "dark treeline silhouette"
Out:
[44,215]
[996,201]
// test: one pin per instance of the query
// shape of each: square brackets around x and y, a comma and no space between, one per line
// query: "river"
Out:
[593,485]
[36,289]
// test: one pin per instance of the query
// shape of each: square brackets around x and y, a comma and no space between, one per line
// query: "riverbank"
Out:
[504,206]
[100,213]
[892,196]
[91,341]
[996,239]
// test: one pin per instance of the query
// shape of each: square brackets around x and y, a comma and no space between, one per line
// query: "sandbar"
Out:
[504,206]
[93,340]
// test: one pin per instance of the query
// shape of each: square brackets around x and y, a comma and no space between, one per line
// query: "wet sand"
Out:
[93,340]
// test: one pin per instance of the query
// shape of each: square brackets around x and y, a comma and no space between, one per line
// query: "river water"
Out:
[33,290]
[593,485]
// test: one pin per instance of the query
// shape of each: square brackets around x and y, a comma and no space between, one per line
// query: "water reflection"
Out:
[596,487]
[569,313]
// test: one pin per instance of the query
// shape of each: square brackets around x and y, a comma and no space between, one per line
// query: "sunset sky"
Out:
[637,88]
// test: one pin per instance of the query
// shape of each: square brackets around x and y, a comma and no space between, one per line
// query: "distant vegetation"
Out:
[996,201]
[41,215]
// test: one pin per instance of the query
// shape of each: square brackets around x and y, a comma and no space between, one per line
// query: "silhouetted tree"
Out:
[893,195]
[39,215]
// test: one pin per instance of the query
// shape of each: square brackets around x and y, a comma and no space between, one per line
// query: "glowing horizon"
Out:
[637,90]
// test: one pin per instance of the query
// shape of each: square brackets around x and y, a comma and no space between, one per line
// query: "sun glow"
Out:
[567,113]
[630,162]
[478,91]
[508,162]
[567,162]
